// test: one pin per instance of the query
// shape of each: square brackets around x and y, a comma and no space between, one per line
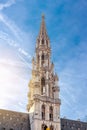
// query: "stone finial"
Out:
[43,16]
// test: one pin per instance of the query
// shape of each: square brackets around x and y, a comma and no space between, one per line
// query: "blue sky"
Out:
[66,22]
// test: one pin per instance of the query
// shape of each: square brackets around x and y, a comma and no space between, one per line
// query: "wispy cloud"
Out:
[69,27]
[11,25]
[4,36]
[73,85]
[13,69]
[20,35]
[14,44]
[7,4]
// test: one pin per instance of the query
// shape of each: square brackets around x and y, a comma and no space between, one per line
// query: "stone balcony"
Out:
[46,99]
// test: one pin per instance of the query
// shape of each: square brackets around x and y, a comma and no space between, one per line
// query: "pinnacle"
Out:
[43,27]
[43,16]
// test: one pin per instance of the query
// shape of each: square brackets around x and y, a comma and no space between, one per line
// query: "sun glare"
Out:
[5,79]
[5,75]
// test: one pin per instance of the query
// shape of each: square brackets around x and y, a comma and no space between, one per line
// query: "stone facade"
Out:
[10,120]
[44,102]
[67,124]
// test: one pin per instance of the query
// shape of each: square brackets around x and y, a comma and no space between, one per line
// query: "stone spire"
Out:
[43,50]
[43,32]
[43,95]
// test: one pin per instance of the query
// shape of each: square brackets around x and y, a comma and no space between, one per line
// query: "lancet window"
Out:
[42,85]
[42,58]
[43,112]
[51,113]
[51,127]
[42,41]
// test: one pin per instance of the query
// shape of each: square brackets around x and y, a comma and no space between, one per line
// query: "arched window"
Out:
[42,57]
[44,127]
[43,112]
[38,58]
[49,89]
[47,42]
[42,41]
[51,113]
[42,85]
[51,127]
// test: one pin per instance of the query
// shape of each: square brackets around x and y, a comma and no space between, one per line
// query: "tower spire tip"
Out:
[43,16]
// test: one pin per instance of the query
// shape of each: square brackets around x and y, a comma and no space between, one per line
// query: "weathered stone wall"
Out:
[10,120]
[67,124]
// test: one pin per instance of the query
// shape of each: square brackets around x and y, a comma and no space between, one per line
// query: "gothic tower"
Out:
[44,103]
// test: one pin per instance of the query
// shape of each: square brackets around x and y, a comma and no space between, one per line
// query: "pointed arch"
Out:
[42,85]
[38,58]
[51,127]
[49,89]
[51,113]
[42,41]
[43,127]
[43,112]
[42,57]
[47,42]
